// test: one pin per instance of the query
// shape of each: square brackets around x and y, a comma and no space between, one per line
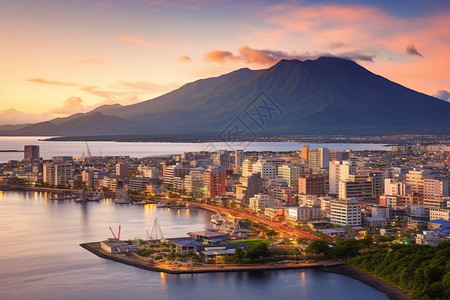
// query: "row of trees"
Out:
[422,270]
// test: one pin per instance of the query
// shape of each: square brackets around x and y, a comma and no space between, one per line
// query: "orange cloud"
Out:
[219,56]
[51,82]
[269,57]
[184,58]
[141,41]
[70,106]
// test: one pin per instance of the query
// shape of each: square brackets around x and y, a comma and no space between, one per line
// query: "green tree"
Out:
[346,248]
[258,250]
[271,234]
[238,255]
[318,247]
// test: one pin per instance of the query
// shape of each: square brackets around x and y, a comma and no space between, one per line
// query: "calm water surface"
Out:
[139,150]
[40,257]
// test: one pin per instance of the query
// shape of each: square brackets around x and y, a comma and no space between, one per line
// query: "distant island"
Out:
[401,139]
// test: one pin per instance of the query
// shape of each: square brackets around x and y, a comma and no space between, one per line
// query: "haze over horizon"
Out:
[64,57]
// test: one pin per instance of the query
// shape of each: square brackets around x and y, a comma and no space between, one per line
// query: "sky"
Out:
[60,57]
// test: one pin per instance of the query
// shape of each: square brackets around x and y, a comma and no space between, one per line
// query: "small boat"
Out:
[81,198]
[163,204]
[216,219]
[62,197]
[122,197]
[95,197]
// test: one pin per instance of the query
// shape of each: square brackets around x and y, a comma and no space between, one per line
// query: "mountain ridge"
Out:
[324,96]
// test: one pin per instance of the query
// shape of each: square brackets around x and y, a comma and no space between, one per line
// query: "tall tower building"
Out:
[215,181]
[31,152]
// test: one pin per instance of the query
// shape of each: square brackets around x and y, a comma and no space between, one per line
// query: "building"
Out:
[339,171]
[339,155]
[238,158]
[290,173]
[318,158]
[432,238]
[172,171]
[259,202]
[250,186]
[356,186]
[311,185]
[440,213]
[303,213]
[57,173]
[375,222]
[433,190]
[214,181]
[394,187]
[304,153]
[345,213]
[122,170]
[247,166]
[31,152]
[194,183]
[381,212]
[267,170]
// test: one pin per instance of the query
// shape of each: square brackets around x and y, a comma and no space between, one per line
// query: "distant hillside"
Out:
[324,96]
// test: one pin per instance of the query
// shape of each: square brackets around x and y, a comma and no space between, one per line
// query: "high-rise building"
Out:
[304,153]
[356,186]
[345,213]
[289,173]
[318,158]
[259,202]
[434,191]
[266,169]
[339,171]
[194,183]
[31,152]
[215,181]
[311,185]
[238,158]
[253,183]
[122,170]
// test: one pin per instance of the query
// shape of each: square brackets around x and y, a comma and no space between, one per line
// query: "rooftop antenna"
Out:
[156,233]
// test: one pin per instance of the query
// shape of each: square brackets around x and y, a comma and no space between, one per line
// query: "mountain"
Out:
[324,96]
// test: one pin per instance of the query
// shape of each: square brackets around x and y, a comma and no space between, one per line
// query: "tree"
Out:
[346,248]
[271,234]
[318,247]
[258,250]
[238,255]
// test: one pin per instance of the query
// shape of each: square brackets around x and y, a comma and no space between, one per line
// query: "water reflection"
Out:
[43,259]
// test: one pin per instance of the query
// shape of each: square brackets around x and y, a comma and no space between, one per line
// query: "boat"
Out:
[122,197]
[95,197]
[216,219]
[62,197]
[163,204]
[81,198]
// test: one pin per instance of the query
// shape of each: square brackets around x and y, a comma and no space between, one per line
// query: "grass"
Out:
[252,242]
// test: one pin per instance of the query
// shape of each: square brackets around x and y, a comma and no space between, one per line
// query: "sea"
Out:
[146,149]
[40,257]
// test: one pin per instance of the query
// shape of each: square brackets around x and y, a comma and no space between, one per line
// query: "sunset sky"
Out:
[59,57]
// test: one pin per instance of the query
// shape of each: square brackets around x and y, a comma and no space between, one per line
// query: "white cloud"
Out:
[442,94]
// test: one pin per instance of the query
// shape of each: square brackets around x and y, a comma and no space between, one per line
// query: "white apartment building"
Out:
[433,190]
[339,171]
[318,158]
[394,187]
[345,213]
[266,169]
[290,173]
[440,213]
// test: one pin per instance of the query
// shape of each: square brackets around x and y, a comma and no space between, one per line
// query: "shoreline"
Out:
[331,266]
[393,292]
[94,247]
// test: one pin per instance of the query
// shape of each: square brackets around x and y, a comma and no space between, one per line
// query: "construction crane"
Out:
[117,238]
[156,233]
[88,152]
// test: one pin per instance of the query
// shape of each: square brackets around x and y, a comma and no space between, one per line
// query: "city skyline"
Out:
[66,57]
